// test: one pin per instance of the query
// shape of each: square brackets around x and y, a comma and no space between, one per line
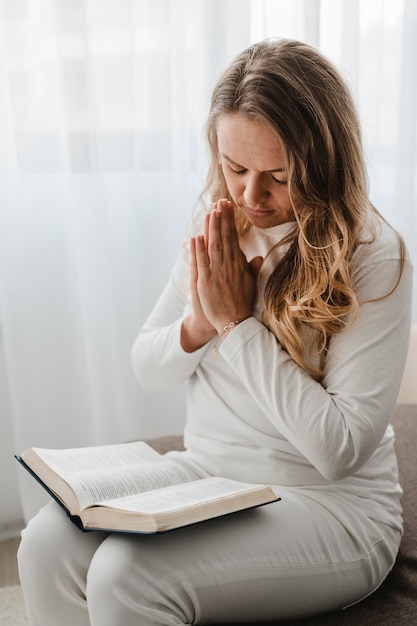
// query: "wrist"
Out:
[225,330]
[195,333]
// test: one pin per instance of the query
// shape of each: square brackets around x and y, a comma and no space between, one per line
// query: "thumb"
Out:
[255,265]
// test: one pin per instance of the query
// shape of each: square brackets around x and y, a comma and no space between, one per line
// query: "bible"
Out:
[129,487]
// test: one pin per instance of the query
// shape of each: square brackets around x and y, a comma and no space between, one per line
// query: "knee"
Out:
[110,570]
[107,587]
[40,540]
[123,581]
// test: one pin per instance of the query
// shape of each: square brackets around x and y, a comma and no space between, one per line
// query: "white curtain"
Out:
[102,107]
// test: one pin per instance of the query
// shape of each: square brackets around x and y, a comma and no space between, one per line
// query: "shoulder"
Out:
[381,262]
[380,242]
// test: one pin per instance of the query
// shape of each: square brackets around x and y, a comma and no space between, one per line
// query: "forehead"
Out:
[249,142]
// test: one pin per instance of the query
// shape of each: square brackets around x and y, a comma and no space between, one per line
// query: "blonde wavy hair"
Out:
[291,86]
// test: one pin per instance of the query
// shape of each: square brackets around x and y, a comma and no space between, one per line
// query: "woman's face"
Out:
[253,163]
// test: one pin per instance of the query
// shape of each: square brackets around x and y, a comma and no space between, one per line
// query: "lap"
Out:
[257,564]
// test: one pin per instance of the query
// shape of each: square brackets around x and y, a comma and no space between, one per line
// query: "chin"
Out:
[265,220]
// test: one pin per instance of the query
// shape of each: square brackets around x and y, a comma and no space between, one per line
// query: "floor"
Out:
[8,563]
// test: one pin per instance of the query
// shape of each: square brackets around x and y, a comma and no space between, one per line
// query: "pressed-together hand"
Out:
[221,280]
[225,281]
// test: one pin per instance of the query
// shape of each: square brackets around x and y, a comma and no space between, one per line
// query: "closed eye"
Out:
[243,170]
[279,182]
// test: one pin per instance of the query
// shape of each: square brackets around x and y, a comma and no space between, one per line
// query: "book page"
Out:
[182,495]
[107,472]
[77,460]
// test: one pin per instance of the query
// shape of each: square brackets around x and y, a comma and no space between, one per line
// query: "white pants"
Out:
[289,559]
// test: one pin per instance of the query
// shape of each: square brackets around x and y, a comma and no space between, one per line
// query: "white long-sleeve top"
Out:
[254,415]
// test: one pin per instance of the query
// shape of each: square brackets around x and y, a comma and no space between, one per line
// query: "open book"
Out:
[130,487]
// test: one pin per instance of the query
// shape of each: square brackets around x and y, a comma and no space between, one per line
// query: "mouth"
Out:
[259,212]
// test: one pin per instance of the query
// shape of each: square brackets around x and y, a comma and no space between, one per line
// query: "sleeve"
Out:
[159,362]
[336,424]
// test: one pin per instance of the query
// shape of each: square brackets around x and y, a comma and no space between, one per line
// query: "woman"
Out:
[289,319]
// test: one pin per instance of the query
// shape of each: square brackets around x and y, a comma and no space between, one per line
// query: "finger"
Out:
[193,264]
[215,245]
[206,228]
[202,258]
[255,265]
[228,231]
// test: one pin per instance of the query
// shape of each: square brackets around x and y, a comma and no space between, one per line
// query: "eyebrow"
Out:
[232,162]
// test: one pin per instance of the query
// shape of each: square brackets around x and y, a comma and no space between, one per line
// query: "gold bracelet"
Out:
[230,325]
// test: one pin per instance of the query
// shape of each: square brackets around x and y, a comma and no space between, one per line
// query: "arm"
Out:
[177,333]
[338,424]
[159,360]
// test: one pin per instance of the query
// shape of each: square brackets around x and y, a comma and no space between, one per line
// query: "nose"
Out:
[256,189]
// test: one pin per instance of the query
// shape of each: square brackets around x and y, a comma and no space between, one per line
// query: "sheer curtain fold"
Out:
[405,189]
[102,107]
